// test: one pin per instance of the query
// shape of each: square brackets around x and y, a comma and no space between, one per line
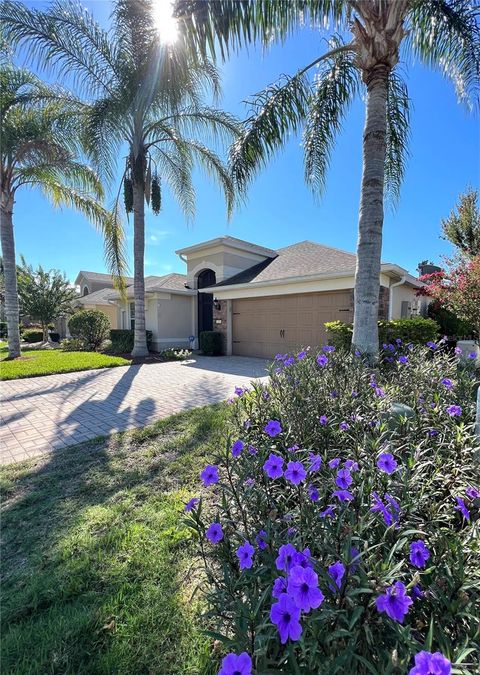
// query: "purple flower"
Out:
[395,602]
[333,463]
[472,355]
[293,448]
[328,513]
[286,554]
[295,473]
[458,351]
[433,432]
[252,450]
[315,462]
[322,360]
[343,495]
[387,462]
[290,361]
[273,467]
[303,588]
[273,428]
[343,479]
[431,344]
[419,553]
[354,394]
[398,341]
[301,355]
[454,410]
[323,419]
[260,540]
[351,465]
[247,424]
[313,493]
[209,475]
[334,394]
[328,349]
[427,663]
[286,616]
[236,665]
[239,391]
[417,592]
[237,448]
[279,587]
[244,555]
[303,558]
[249,482]
[379,392]
[472,492]
[447,382]
[214,533]
[337,571]
[344,426]
[281,357]
[462,508]
[190,505]
[403,359]
[354,558]
[390,516]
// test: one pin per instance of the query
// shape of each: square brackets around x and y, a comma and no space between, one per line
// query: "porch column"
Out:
[229,344]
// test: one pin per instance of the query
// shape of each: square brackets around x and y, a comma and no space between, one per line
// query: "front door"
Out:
[205,301]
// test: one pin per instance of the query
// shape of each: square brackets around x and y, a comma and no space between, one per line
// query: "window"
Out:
[85,291]
[132,315]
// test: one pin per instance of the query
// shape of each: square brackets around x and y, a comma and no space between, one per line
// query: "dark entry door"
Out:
[205,301]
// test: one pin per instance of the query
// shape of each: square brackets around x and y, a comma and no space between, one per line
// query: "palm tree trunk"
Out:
[140,339]
[369,249]
[10,274]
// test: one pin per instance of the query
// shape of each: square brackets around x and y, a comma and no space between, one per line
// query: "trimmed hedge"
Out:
[123,339]
[417,330]
[211,343]
[32,335]
[91,326]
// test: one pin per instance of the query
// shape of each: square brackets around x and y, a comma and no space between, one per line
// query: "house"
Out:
[262,300]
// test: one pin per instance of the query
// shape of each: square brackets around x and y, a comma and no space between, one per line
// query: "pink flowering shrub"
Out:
[337,536]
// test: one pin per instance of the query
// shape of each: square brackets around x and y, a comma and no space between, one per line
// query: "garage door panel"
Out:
[267,326]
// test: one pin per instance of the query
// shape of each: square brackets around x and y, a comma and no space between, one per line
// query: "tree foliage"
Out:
[44,295]
[462,227]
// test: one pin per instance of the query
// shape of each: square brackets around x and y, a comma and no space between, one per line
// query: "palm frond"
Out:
[105,127]
[65,39]
[335,87]
[276,112]
[211,124]
[175,167]
[68,172]
[446,34]
[398,133]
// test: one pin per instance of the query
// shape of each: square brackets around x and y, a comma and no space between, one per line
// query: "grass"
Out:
[98,574]
[49,361]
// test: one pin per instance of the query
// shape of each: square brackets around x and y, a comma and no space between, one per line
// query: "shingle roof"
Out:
[99,276]
[172,281]
[303,259]
[100,297]
[230,241]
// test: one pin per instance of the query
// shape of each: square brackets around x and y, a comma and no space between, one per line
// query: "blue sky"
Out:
[280,210]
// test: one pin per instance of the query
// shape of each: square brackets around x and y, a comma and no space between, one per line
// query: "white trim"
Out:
[228,242]
[390,297]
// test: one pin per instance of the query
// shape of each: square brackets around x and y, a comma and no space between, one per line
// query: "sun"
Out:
[165,23]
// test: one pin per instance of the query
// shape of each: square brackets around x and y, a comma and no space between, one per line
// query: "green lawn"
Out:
[49,361]
[98,574]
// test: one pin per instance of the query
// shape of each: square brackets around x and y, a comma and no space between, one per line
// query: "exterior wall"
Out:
[110,310]
[383,303]
[225,263]
[93,285]
[220,322]
[174,316]
[401,294]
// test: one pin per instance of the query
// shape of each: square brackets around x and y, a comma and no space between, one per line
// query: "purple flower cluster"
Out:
[234,664]
[245,555]
[419,553]
[387,462]
[273,428]
[389,508]
[395,602]
[427,663]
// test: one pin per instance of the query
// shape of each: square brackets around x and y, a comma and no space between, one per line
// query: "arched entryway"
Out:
[205,300]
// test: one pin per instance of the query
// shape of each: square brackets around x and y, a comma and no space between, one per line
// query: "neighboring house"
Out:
[95,290]
[264,301]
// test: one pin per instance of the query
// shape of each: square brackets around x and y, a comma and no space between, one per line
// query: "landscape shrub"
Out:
[336,536]
[54,337]
[417,330]
[211,343]
[73,345]
[175,354]
[3,329]
[91,326]
[123,339]
[32,335]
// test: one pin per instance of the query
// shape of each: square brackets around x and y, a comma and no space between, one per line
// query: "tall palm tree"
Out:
[440,33]
[39,148]
[146,94]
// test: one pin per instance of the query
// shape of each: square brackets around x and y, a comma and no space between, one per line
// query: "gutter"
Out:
[390,295]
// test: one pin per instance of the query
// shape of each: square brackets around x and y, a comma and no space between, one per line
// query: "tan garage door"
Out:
[278,324]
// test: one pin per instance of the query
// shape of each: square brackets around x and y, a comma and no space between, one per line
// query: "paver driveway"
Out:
[41,414]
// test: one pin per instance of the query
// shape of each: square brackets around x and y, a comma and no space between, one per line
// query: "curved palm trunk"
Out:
[10,273]
[140,340]
[369,249]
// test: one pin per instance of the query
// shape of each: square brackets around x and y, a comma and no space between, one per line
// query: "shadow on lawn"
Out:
[95,558]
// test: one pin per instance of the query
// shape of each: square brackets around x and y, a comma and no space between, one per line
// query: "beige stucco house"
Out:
[263,300]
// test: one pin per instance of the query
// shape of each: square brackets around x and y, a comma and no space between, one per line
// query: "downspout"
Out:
[390,296]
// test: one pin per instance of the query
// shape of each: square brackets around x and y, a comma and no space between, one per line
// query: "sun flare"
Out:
[165,23]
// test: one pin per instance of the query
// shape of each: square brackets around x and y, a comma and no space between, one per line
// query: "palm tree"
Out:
[39,149]
[439,33]
[147,95]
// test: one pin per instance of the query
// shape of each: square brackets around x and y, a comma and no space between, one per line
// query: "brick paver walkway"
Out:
[41,414]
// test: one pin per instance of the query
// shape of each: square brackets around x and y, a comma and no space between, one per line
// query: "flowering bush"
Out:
[337,527]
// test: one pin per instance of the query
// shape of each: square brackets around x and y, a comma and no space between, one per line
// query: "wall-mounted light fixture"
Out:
[216,304]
